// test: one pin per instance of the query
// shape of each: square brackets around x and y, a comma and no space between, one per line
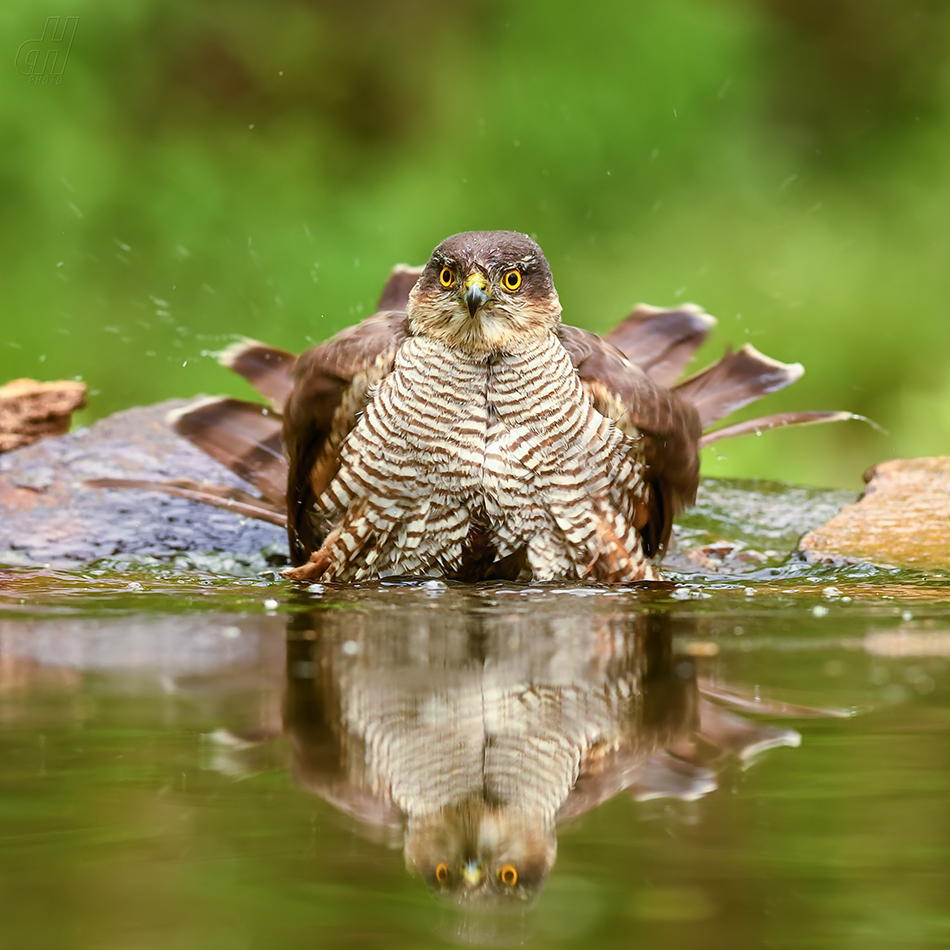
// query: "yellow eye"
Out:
[442,869]
[446,279]
[508,874]
[511,281]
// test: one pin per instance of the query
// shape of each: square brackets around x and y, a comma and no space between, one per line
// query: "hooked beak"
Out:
[472,873]
[475,295]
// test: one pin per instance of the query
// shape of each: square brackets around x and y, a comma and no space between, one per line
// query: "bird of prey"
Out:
[464,431]
[489,440]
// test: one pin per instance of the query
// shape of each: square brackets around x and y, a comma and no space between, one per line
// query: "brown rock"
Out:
[30,411]
[901,520]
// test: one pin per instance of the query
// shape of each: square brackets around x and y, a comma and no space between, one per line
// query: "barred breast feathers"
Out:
[513,444]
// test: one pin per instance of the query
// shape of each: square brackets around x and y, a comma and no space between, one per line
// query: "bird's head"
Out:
[476,854]
[485,292]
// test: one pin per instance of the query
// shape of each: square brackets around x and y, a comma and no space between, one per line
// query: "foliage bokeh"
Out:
[222,169]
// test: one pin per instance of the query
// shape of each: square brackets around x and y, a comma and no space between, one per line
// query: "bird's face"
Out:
[476,854]
[485,292]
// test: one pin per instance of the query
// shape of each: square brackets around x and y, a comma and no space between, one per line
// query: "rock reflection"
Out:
[469,736]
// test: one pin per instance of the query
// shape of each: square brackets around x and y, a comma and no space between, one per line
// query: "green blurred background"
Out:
[209,170]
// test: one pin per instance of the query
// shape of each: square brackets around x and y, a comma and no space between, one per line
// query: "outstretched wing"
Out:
[734,380]
[242,436]
[269,370]
[627,373]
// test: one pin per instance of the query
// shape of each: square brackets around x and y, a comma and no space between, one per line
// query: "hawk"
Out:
[464,431]
[482,438]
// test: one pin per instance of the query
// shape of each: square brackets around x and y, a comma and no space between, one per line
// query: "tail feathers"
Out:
[220,496]
[734,381]
[777,421]
[662,342]
[395,295]
[269,370]
[244,437]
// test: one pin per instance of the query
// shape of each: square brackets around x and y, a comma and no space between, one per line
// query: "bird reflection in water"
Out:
[469,735]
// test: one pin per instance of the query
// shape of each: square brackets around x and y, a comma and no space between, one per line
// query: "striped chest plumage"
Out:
[508,449]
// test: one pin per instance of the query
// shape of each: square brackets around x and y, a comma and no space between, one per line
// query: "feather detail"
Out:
[734,381]
[778,421]
[243,436]
[661,342]
[332,385]
[269,370]
[395,295]
[667,428]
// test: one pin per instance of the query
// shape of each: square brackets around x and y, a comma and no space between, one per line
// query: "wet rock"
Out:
[901,520]
[49,516]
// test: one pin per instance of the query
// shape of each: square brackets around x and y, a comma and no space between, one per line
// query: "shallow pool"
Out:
[192,761]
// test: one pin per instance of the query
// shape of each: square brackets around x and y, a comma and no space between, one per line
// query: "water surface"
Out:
[197,761]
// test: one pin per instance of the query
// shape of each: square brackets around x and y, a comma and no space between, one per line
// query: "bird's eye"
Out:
[442,869]
[446,279]
[511,281]
[508,875]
